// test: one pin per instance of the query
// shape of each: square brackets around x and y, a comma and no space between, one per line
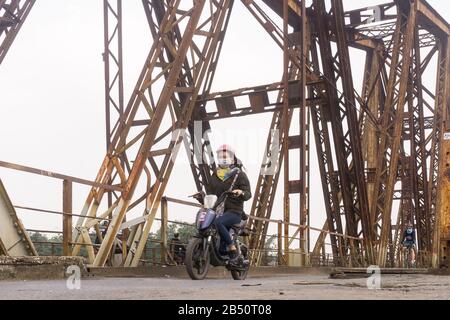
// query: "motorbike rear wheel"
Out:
[197,267]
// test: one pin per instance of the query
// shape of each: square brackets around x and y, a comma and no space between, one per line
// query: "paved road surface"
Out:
[283,287]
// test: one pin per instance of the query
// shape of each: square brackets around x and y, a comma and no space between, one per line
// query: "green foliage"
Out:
[47,246]
[52,246]
[153,248]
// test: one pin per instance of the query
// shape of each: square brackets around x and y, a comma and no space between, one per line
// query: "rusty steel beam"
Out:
[285,130]
[272,30]
[275,33]
[113,73]
[354,150]
[113,65]
[418,151]
[257,96]
[14,239]
[13,14]
[430,19]
[303,146]
[67,217]
[438,187]
[392,122]
[156,103]
[341,109]
[329,176]
[264,194]
[367,146]
[198,149]
[124,128]
[378,122]
[289,95]
[215,21]
[59,176]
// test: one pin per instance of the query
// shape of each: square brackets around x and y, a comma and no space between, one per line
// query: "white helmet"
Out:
[228,160]
[225,148]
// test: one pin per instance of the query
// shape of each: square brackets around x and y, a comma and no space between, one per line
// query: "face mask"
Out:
[225,162]
[409,230]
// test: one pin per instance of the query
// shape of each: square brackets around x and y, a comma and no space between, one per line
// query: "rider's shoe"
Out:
[233,257]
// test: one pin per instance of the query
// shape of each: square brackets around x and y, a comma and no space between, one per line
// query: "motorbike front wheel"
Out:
[197,265]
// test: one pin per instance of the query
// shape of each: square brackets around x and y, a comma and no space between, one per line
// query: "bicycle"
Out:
[406,256]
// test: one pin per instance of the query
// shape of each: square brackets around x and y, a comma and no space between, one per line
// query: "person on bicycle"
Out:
[409,241]
[234,205]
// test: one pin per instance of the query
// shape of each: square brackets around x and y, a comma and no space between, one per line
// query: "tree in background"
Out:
[52,246]
[46,246]
[153,247]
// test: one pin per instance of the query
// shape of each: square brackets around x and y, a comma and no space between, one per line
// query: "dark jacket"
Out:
[236,204]
[409,237]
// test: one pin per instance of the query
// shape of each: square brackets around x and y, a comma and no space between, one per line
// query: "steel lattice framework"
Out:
[383,153]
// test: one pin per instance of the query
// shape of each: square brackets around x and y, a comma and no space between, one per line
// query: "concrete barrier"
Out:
[38,268]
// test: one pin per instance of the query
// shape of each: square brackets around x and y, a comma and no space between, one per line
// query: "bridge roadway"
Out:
[264,286]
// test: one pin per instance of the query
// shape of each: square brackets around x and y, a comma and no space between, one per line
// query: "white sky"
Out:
[52,102]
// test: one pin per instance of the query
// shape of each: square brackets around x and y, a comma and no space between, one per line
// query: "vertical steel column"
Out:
[67,217]
[164,229]
[439,183]
[418,151]
[304,147]
[279,243]
[329,178]
[285,128]
[338,110]
[392,123]
[372,95]
[113,65]
[352,137]
[266,187]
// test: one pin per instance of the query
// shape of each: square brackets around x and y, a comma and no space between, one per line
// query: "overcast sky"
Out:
[52,102]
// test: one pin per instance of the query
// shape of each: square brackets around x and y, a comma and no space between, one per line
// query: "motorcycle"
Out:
[203,249]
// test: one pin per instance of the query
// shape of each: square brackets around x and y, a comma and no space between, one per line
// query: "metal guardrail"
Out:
[67,215]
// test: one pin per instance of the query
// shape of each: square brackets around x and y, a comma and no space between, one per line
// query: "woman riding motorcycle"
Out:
[234,205]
